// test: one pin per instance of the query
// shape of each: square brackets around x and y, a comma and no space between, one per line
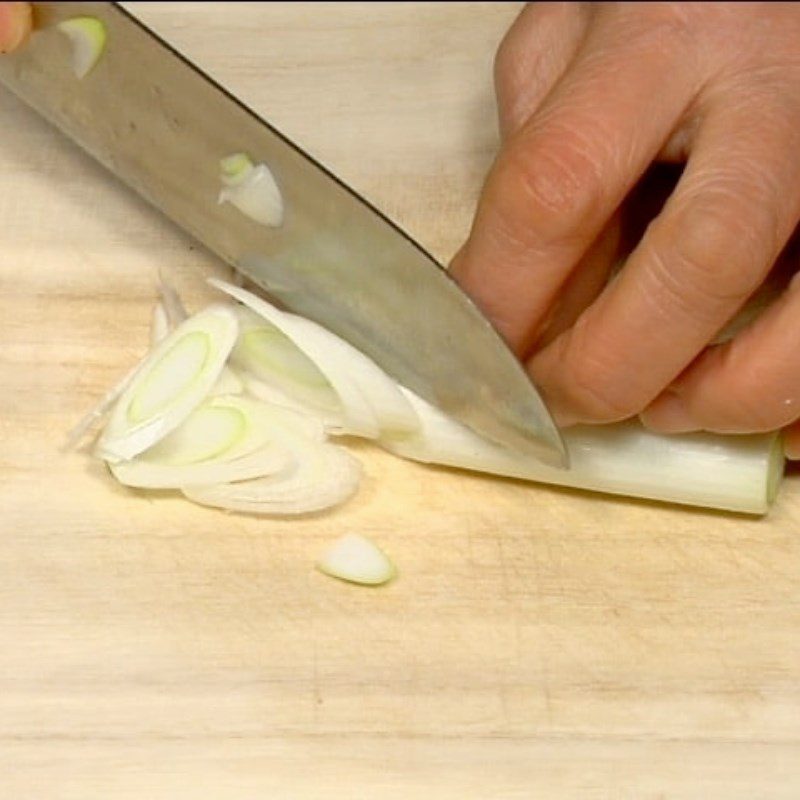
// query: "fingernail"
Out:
[668,414]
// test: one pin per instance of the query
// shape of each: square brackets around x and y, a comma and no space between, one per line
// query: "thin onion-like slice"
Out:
[324,475]
[225,439]
[371,401]
[167,315]
[254,191]
[270,356]
[267,393]
[87,37]
[173,380]
[734,473]
[356,559]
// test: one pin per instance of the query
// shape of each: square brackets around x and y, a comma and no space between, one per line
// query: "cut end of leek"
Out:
[356,559]
[87,36]
[235,168]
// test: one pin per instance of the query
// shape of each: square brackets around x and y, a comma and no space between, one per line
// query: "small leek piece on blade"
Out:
[251,189]
[173,380]
[733,473]
[371,401]
[87,37]
[356,559]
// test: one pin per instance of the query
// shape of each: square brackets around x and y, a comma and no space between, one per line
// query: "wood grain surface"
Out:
[538,642]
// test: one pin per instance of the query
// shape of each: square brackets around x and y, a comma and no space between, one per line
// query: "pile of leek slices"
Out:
[239,406]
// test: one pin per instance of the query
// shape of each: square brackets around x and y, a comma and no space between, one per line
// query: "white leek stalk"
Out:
[734,473]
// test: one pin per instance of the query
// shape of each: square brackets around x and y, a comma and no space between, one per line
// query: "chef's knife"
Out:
[162,126]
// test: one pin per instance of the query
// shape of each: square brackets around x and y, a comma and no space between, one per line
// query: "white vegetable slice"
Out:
[87,37]
[267,393]
[356,559]
[734,473]
[173,380]
[324,475]
[225,439]
[371,401]
[255,193]
[269,355]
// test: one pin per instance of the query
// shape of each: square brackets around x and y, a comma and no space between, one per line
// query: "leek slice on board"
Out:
[172,381]
[357,559]
[322,475]
[224,439]
[371,401]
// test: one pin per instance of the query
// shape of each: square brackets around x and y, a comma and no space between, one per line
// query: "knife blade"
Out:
[161,125]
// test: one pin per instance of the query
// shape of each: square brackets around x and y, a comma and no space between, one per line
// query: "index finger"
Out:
[562,175]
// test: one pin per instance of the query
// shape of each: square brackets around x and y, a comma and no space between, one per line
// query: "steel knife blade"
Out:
[161,125]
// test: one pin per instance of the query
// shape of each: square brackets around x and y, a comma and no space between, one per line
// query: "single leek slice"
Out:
[87,37]
[255,193]
[356,559]
[269,355]
[371,401]
[733,473]
[323,475]
[173,380]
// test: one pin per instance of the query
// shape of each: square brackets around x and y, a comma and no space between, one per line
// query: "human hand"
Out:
[590,97]
[15,25]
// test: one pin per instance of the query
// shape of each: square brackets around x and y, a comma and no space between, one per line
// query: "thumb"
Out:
[15,25]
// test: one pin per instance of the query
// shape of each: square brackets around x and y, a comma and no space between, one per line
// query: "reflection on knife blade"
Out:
[162,126]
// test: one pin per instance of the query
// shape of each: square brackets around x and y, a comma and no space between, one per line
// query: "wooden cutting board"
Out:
[538,643]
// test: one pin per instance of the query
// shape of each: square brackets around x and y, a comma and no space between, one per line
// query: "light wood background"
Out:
[538,643]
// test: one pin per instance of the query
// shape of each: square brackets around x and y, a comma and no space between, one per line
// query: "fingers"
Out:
[584,284]
[15,24]
[562,175]
[749,385]
[532,57]
[714,242]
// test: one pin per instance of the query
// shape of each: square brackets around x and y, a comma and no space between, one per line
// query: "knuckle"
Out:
[707,259]
[559,184]
[597,392]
